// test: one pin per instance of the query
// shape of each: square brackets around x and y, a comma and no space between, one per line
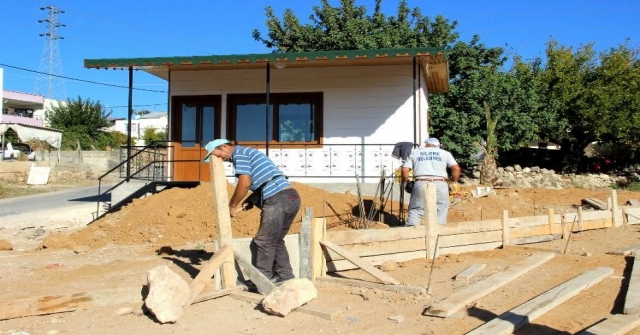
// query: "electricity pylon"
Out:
[49,82]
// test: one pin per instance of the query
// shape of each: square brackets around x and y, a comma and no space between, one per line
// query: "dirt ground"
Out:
[118,250]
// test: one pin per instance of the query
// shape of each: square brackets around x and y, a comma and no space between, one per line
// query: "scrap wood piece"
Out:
[475,291]
[632,299]
[624,251]
[223,255]
[319,311]
[263,284]
[362,283]
[216,294]
[512,320]
[470,272]
[364,265]
[68,302]
[618,324]
[595,203]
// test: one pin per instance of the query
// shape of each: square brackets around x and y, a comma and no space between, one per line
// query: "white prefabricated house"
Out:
[332,115]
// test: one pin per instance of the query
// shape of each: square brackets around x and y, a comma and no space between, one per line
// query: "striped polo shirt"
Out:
[261,169]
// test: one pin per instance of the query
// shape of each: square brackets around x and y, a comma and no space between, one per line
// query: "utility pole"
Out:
[49,82]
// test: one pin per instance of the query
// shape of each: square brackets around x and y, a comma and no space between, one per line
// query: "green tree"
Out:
[612,106]
[348,27]
[152,135]
[80,120]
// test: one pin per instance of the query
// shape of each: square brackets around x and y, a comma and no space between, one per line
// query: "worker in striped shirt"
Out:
[272,192]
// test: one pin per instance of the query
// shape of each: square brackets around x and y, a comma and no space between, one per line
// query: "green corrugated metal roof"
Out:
[437,54]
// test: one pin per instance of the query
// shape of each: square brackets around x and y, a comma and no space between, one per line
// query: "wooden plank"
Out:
[595,203]
[532,231]
[224,254]
[633,215]
[512,320]
[373,235]
[473,292]
[580,219]
[263,284]
[536,239]
[216,294]
[596,215]
[305,244]
[68,302]
[367,284]
[222,219]
[379,248]
[430,221]
[309,308]
[632,300]
[528,221]
[470,248]
[333,266]
[625,251]
[380,275]
[618,324]
[550,219]
[470,227]
[469,238]
[470,272]
[318,262]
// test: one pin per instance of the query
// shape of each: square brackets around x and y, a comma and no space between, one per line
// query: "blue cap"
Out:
[212,145]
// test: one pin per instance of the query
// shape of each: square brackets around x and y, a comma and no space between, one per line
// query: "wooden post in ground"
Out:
[566,229]
[614,209]
[318,262]
[505,228]
[430,220]
[305,244]
[625,219]
[551,219]
[222,219]
[580,223]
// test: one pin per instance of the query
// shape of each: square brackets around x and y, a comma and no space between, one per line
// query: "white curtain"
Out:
[28,133]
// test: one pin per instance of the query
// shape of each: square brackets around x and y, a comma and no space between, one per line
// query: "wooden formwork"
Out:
[408,243]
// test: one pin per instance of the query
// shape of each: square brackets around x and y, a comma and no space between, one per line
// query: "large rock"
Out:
[289,296]
[5,245]
[167,294]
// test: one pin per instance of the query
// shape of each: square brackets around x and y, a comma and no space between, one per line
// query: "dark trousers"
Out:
[278,213]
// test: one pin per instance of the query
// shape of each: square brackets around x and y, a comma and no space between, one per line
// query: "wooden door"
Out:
[195,122]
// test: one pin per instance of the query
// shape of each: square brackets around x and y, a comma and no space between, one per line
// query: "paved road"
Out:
[74,205]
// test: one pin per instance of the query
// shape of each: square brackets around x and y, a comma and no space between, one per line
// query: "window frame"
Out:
[275,99]
[199,100]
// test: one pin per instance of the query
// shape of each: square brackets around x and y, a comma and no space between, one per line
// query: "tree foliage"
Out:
[568,97]
[81,121]
[349,27]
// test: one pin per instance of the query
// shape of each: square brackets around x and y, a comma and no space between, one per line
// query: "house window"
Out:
[196,119]
[293,118]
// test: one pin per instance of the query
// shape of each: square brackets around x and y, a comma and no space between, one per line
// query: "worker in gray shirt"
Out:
[429,165]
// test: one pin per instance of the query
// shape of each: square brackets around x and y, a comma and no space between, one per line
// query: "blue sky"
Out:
[142,28]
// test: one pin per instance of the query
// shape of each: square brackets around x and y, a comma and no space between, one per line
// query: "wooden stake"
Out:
[505,228]
[614,209]
[305,244]
[222,218]
[430,220]
[318,262]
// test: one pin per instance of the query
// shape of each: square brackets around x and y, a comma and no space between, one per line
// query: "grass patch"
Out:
[8,190]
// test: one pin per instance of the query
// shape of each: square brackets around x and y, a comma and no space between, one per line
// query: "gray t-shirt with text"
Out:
[430,161]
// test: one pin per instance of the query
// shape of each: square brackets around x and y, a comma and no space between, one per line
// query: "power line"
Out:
[81,80]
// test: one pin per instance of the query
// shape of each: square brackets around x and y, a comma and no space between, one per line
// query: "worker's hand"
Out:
[408,186]
[233,210]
